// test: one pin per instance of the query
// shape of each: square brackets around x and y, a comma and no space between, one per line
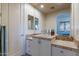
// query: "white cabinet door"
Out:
[40,47]
[62,52]
[68,53]
[56,51]
[45,48]
[28,46]
[35,47]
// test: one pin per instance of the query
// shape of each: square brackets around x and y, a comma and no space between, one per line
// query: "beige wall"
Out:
[50,21]
[76,20]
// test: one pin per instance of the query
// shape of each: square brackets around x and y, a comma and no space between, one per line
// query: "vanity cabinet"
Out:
[35,48]
[32,46]
[41,47]
[56,51]
[45,48]
[38,47]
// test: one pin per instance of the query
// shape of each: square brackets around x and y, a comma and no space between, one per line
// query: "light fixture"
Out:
[42,6]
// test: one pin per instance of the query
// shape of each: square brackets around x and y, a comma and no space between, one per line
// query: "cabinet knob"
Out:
[61,52]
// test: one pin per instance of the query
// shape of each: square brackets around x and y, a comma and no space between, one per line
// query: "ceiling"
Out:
[51,7]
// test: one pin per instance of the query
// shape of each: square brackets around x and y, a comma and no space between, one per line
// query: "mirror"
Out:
[33,23]
[30,22]
[36,23]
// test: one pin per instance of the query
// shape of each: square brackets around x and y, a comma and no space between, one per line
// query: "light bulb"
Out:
[42,6]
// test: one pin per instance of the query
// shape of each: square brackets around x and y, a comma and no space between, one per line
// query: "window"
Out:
[65,26]
[62,25]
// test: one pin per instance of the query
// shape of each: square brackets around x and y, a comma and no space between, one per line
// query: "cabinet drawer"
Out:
[62,52]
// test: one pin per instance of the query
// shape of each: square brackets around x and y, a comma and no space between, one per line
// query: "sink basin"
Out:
[65,38]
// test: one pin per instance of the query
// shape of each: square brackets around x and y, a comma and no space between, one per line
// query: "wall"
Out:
[75,21]
[50,22]
[29,10]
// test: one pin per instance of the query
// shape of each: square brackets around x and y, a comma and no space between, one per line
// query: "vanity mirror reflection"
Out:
[30,22]
[33,23]
[36,23]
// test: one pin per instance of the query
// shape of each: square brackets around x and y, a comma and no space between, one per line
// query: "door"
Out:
[22,32]
[16,34]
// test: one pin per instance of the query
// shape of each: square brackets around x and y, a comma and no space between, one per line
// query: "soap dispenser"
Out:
[52,32]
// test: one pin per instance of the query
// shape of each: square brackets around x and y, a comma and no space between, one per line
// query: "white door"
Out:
[16,36]
[22,32]
[45,48]
[35,47]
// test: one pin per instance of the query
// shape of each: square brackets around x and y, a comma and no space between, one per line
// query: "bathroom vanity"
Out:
[46,45]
